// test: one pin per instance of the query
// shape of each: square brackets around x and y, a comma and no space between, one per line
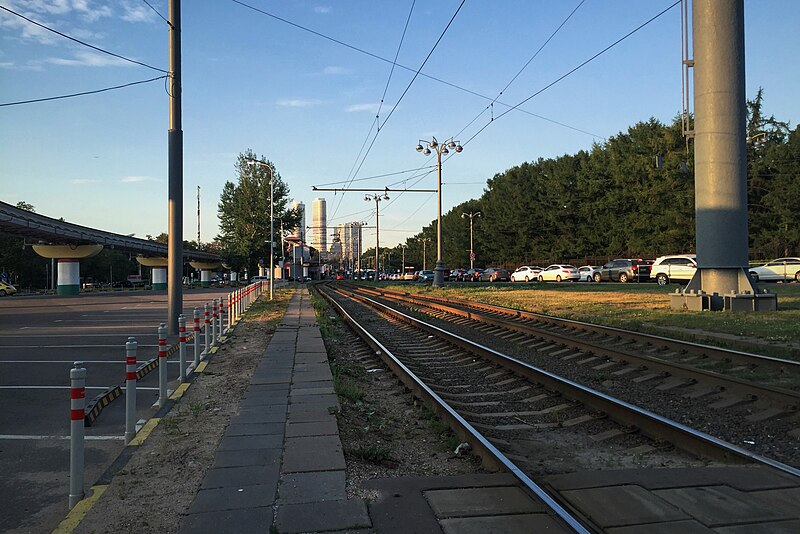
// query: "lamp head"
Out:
[427,151]
[451,144]
[434,142]
[419,148]
[445,151]
[459,148]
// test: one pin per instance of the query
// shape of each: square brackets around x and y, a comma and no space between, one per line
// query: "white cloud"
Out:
[332,70]
[323,9]
[88,59]
[138,179]
[83,181]
[298,103]
[372,108]
[137,12]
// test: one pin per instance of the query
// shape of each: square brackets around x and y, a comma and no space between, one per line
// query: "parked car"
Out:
[457,275]
[587,272]
[473,275]
[782,269]
[624,270]
[558,273]
[408,276]
[493,274]
[674,268]
[425,276]
[7,289]
[525,273]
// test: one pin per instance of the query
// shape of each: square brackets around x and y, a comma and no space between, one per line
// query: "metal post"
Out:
[207,328]
[162,365]
[720,154]
[182,349]
[175,145]
[438,271]
[271,236]
[196,337]
[214,319]
[130,389]
[77,403]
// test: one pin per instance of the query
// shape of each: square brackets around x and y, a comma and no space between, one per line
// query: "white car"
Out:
[782,269]
[559,273]
[668,269]
[587,272]
[525,273]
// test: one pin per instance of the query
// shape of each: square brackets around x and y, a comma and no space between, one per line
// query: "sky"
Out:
[255,79]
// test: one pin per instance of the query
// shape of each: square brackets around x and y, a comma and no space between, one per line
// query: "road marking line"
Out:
[76,515]
[70,362]
[21,437]
[145,432]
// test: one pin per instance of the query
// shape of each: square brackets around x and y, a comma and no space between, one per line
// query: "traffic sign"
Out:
[472,255]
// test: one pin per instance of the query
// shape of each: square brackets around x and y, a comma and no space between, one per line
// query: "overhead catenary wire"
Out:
[157,13]
[93,47]
[416,74]
[84,93]
[573,70]
[410,69]
[394,62]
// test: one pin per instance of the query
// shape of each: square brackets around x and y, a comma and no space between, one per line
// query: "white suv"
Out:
[678,268]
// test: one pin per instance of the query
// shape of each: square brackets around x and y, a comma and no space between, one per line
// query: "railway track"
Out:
[524,419]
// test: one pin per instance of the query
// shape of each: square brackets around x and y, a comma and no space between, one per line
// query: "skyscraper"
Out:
[319,228]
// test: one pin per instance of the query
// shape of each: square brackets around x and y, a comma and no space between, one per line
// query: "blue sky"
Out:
[307,104]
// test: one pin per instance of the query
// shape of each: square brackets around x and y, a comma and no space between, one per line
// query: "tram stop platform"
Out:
[280,467]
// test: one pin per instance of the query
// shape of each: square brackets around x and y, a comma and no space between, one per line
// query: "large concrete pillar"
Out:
[206,268]
[69,267]
[721,281]
[159,278]
[205,278]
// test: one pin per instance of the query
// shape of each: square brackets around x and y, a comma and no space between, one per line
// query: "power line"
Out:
[394,63]
[81,94]
[157,13]
[83,43]
[563,76]
[525,66]
[386,60]
[376,176]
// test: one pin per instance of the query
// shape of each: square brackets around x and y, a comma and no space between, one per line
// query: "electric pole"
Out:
[175,144]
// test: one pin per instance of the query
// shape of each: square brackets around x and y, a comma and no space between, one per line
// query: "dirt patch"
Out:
[158,484]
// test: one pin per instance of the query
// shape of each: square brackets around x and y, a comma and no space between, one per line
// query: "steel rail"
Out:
[788,398]
[745,358]
[649,423]
[492,456]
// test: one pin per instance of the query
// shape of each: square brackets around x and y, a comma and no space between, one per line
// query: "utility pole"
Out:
[175,144]
[425,241]
[471,215]
[377,199]
[198,217]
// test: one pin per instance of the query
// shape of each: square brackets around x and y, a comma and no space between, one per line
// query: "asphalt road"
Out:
[40,338]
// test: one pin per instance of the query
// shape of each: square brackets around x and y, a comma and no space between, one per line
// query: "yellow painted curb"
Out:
[76,515]
[145,431]
[178,393]
[213,350]
[201,367]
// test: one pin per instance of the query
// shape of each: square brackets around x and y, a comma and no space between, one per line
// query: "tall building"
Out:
[300,231]
[319,228]
[352,248]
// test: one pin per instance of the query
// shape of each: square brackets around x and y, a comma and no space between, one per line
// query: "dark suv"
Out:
[624,271]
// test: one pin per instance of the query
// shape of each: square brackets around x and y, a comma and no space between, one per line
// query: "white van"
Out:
[674,268]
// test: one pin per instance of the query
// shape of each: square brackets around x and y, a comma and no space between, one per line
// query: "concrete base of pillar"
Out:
[693,300]
[157,287]
[68,289]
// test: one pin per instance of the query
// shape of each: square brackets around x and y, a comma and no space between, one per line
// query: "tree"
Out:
[244,209]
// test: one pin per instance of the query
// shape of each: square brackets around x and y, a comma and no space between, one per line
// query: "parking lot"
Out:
[40,338]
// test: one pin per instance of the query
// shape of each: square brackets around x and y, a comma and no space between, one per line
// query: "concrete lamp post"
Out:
[444,148]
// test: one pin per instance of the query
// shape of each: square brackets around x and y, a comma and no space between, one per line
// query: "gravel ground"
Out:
[776,438]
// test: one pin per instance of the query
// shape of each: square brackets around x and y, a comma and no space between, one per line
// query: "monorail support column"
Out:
[158,272]
[205,269]
[159,280]
[69,267]
[721,281]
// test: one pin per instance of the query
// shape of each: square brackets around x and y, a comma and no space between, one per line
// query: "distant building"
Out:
[319,228]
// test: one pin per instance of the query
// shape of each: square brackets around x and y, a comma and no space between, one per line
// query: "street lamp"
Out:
[444,148]
[377,198]
[403,272]
[271,225]
[471,250]
[425,241]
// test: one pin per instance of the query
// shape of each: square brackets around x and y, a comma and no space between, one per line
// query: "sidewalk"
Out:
[280,465]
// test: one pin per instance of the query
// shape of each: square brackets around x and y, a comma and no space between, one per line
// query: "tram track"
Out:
[523,416]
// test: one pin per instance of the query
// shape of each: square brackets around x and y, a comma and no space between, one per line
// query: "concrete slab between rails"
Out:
[729,499]
[463,503]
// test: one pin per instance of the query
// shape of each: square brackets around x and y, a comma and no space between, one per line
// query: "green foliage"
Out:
[244,209]
[631,196]
[374,453]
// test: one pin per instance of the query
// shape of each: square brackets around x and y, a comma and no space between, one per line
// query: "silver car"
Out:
[782,269]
